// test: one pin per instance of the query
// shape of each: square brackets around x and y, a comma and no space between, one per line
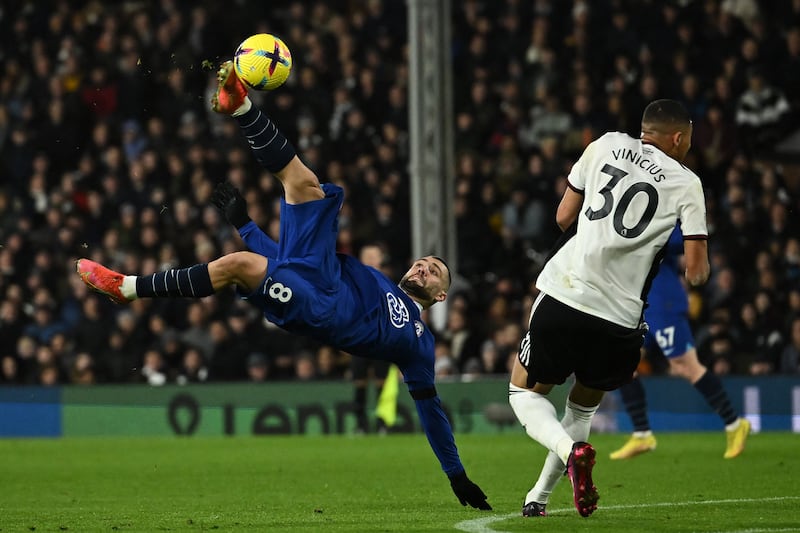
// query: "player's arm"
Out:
[233,206]
[258,241]
[440,436]
[695,253]
[572,201]
[569,207]
[692,218]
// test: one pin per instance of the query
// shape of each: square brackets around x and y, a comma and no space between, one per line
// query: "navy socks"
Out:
[192,282]
[271,148]
[710,387]
[633,397]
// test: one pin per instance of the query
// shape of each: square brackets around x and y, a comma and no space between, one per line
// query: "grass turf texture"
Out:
[363,484]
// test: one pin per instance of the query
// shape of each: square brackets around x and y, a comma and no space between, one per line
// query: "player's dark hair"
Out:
[667,112]
[449,274]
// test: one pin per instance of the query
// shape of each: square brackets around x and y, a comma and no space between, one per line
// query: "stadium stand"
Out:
[108,149]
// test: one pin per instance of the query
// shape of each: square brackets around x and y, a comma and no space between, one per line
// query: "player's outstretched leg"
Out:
[244,269]
[192,282]
[579,470]
[737,437]
[270,147]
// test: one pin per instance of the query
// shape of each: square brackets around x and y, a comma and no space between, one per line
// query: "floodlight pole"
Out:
[432,164]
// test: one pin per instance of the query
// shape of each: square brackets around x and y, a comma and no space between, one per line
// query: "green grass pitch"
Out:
[335,483]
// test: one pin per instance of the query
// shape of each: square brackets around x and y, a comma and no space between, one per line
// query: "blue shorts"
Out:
[302,282]
[669,333]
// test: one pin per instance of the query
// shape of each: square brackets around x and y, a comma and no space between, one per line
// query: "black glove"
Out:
[468,492]
[228,200]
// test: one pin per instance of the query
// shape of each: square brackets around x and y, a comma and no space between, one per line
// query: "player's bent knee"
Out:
[585,396]
[245,269]
[687,365]
[305,191]
[300,183]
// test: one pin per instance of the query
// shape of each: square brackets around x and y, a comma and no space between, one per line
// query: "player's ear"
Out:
[442,296]
[676,138]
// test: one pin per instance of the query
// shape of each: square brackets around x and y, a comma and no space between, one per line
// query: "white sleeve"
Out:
[692,212]
[577,175]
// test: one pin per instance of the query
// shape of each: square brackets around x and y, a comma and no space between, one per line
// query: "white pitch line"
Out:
[762,530]
[483,525]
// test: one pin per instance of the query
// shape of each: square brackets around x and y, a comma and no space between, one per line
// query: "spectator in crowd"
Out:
[257,367]
[152,371]
[9,371]
[305,366]
[331,363]
[193,368]
[445,365]
[44,326]
[790,358]
[82,371]
[761,112]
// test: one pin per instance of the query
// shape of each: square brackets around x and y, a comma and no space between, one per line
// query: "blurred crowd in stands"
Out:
[108,149]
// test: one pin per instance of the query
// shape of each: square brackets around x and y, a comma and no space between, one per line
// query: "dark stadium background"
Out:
[108,149]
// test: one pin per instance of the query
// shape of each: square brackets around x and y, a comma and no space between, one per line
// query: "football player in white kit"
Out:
[623,200]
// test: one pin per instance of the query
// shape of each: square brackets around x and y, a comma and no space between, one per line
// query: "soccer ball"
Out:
[262,62]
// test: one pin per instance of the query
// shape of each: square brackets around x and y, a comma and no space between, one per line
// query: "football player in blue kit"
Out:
[670,334]
[302,285]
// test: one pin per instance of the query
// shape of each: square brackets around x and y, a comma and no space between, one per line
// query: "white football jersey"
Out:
[634,194]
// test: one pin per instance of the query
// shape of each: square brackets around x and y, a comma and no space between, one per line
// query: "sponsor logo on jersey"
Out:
[524,355]
[419,327]
[398,312]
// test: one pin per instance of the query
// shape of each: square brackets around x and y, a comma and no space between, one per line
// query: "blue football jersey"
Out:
[312,291]
[667,293]
[373,314]
[668,305]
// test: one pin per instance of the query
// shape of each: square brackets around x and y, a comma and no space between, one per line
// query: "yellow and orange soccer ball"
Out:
[262,62]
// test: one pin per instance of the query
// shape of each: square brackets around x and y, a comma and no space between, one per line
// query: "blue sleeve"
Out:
[675,242]
[257,240]
[440,434]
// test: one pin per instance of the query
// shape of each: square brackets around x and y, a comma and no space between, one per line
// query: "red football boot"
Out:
[230,92]
[101,279]
[579,470]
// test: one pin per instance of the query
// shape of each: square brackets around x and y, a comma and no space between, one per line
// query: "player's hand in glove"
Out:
[468,492]
[231,203]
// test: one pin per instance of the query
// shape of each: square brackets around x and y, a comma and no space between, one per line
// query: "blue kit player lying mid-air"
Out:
[669,333]
[302,285]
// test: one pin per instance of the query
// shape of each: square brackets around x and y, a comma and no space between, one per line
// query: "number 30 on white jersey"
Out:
[634,194]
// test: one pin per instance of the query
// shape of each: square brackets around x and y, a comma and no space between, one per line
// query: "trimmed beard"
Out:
[412,289]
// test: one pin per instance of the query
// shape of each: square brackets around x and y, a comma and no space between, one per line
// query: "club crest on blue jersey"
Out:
[419,327]
[398,312]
